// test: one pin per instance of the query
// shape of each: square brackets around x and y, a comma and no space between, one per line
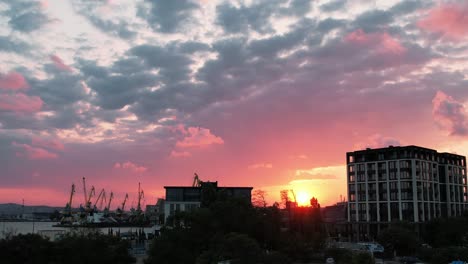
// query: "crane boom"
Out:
[99,197]
[125,200]
[294,195]
[110,201]
[103,200]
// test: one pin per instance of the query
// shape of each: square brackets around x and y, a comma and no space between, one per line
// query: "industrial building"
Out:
[186,198]
[411,183]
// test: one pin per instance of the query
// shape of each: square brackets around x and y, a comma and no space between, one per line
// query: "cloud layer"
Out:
[250,93]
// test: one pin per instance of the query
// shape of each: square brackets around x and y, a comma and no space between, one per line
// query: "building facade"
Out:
[187,198]
[411,183]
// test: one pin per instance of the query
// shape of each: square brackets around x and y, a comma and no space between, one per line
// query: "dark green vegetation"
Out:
[345,256]
[439,241]
[72,249]
[232,229]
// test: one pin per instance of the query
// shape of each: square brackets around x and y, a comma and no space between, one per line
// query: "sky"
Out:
[269,94]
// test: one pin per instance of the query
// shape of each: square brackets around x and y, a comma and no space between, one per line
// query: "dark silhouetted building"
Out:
[186,198]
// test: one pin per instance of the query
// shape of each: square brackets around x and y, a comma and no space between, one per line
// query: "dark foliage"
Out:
[346,256]
[232,229]
[400,239]
[93,248]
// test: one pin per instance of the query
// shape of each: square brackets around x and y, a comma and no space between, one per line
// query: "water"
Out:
[17,228]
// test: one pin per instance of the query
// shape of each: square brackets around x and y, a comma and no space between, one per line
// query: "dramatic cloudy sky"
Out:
[269,94]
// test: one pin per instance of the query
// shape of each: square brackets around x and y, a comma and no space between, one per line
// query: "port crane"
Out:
[294,196]
[87,197]
[141,195]
[121,210]
[68,207]
[196,181]
[125,200]
[100,199]
[107,208]
[91,194]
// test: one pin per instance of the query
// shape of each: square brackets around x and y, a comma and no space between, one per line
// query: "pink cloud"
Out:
[13,81]
[449,19]
[47,143]
[377,141]
[449,114]
[33,153]
[130,166]
[179,154]
[382,42]
[59,64]
[20,103]
[198,137]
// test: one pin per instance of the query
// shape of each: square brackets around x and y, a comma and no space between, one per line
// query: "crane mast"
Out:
[140,196]
[111,196]
[69,204]
[91,194]
[84,192]
[125,201]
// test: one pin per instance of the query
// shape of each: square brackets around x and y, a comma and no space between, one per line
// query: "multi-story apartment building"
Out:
[411,183]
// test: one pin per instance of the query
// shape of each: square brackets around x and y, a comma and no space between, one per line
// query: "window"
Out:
[404,164]
[382,166]
[405,175]
[351,168]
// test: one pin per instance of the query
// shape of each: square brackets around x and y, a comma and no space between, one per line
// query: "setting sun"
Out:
[303,198]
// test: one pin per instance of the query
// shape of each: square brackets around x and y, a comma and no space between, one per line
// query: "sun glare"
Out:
[303,198]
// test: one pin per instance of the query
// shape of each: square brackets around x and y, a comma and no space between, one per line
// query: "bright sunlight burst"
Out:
[303,198]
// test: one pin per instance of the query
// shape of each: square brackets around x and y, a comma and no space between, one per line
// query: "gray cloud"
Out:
[117,27]
[409,6]
[59,91]
[333,6]
[330,24]
[28,22]
[116,91]
[373,20]
[9,44]
[25,15]
[167,16]
[173,66]
[255,17]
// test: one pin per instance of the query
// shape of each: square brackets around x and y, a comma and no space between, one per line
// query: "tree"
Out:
[258,198]
[284,198]
[235,247]
[400,240]
[447,232]
[73,249]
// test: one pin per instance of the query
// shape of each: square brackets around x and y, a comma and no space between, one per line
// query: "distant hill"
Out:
[16,209]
